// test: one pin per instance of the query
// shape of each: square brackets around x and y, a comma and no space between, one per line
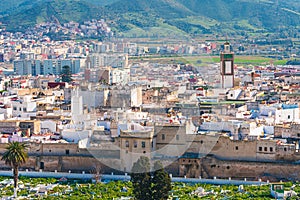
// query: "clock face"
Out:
[228,67]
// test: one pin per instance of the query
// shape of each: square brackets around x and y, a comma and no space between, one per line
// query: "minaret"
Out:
[76,103]
[227,69]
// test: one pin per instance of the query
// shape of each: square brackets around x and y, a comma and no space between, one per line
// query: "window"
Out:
[135,144]
[24,109]
[177,137]
[236,148]
[260,149]
[15,108]
[127,144]
[266,148]
[143,144]
[271,149]
[67,152]
[284,149]
[42,165]
[289,117]
[163,137]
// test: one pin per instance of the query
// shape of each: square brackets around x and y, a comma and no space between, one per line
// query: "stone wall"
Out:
[251,170]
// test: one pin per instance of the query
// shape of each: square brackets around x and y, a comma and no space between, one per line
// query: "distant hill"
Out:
[138,17]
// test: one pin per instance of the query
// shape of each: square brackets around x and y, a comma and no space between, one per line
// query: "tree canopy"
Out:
[15,155]
[147,185]
[66,75]
[141,179]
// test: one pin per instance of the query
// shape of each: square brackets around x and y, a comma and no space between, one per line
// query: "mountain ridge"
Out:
[189,16]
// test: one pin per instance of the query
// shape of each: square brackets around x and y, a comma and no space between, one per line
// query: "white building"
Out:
[45,67]
[24,107]
[287,113]
[93,98]
[115,60]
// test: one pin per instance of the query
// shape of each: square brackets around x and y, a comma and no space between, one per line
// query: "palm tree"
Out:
[15,155]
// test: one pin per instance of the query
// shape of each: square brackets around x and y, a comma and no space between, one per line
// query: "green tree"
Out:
[161,182]
[5,85]
[146,187]
[66,75]
[141,179]
[15,155]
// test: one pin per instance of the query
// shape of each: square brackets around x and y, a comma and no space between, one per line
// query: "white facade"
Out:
[136,97]
[6,112]
[75,135]
[104,59]
[23,107]
[119,76]
[228,81]
[93,99]
[287,115]
[76,104]
[44,67]
[234,94]
[50,125]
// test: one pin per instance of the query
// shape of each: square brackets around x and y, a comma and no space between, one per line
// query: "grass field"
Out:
[204,60]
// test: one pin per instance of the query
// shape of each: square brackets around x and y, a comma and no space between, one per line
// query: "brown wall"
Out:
[251,170]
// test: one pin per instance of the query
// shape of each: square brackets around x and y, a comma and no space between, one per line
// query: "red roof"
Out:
[55,84]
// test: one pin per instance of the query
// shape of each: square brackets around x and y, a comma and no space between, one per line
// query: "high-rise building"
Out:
[45,67]
[107,59]
[1,57]
[227,67]
[22,67]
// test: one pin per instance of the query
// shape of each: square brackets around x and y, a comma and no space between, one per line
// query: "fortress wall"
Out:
[30,164]
[60,149]
[2,148]
[266,150]
[88,164]
[287,153]
[169,133]
[223,147]
[207,167]
[250,170]
[51,163]
[240,150]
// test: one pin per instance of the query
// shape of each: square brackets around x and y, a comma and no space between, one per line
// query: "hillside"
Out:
[151,17]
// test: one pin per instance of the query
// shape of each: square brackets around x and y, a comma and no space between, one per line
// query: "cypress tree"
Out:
[141,179]
[161,182]
[146,187]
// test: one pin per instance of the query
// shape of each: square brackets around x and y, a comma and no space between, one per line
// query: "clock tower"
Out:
[227,67]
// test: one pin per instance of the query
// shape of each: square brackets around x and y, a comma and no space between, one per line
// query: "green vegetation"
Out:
[205,60]
[15,155]
[147,186]
[74,189]
[66,75]
[161,183]
[159,17]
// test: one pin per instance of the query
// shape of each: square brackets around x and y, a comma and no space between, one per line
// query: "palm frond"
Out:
[15,154]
